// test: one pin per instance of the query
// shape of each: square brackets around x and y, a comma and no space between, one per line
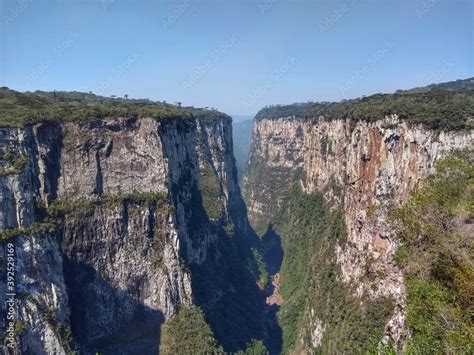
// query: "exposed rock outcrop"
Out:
[364,168]
[130,230]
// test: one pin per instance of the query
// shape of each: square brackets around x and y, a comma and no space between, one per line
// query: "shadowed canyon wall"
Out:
[116,224]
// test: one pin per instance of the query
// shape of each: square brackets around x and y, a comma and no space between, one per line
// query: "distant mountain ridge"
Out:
[241,118]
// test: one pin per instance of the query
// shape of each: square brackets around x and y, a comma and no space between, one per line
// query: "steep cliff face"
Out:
[113,223]
[38,286]
[362,169]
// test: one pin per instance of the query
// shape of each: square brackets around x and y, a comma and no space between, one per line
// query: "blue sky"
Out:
[237,56]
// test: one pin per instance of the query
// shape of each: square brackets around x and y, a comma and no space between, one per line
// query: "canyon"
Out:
[363,171]
[130,213]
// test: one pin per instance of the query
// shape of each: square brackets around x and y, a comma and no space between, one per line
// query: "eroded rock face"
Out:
[112,156]
[41,294]
[39,287]
[116,269]
[363,168]
[124,266]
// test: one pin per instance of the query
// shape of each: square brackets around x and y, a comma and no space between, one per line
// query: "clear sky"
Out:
[237,56]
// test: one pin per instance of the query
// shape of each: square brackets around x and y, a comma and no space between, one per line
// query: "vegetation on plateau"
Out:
[436,229]
[444,106]
[188,333]
[21,108]
[311,284]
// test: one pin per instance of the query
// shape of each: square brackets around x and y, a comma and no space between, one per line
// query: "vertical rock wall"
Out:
[131,229]
[362,168]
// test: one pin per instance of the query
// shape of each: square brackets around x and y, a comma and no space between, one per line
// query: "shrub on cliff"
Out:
[36,229]
[62,206]
[436,228]
[11,162]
